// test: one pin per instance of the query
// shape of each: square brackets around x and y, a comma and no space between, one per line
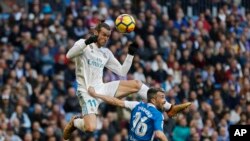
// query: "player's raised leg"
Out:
[127,87]
[87,121]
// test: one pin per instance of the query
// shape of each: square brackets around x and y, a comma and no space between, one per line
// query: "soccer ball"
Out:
[125,23]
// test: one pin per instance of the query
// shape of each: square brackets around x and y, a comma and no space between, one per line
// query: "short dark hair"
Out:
[152,92]
[102,24]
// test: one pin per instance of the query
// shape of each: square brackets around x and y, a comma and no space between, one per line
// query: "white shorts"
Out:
[89,105]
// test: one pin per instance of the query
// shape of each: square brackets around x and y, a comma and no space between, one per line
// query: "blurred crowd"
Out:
[196,50]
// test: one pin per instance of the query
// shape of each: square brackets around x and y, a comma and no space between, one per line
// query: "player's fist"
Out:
[132,49]
[91,91]
[91,39]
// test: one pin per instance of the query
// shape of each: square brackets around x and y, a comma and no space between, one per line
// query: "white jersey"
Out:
[90,62]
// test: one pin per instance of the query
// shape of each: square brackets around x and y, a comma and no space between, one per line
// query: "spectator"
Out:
[181,132]
[71,105]
[11,136]
[21,117]
[6,106]
[138,75]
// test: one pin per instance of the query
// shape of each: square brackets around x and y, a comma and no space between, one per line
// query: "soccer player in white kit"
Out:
[90,58]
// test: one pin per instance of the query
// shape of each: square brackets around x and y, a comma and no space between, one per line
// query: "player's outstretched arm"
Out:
[115,66]
[79,46]
[160,135]
[108,99]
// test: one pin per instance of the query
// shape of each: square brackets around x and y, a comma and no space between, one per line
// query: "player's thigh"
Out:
[127,87]
[109,88]
[89,108]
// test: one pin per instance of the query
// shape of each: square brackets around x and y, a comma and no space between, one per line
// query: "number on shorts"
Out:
[92,102]
[138,124]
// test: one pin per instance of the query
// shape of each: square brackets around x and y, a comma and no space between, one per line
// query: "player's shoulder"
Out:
[154,110]
[138,104]
[130,104]
[157,114]
[80,41]
[141,103]
[147,106]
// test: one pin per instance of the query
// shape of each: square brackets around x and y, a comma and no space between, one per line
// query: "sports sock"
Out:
[79,123]
[143,93]
[167,106]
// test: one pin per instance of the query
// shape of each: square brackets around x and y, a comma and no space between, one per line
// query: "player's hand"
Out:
[91,39]
[91,91]
[132,49]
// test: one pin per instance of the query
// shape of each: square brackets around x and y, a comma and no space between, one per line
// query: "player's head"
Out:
[103,31]
[156,96]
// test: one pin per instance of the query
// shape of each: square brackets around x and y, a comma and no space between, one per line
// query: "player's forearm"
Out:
[111,100]
[76,50]
[126,65]
[115,66]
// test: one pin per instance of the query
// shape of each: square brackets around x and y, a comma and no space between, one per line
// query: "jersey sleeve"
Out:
[130,104]
[77,49]
[115,66]
[158,121]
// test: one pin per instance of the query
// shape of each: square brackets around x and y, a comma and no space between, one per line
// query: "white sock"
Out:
[167,106]
[79,123]
[143,91]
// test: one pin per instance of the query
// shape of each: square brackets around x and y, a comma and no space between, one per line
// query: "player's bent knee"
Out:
[90,128]
[90,122]
[138,84]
